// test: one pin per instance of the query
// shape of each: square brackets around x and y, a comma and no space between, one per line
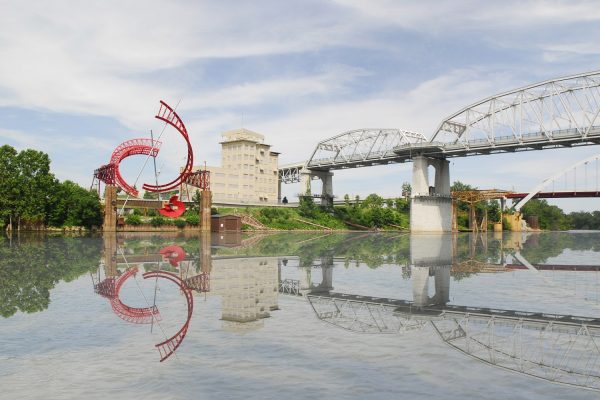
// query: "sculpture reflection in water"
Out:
[562,349]
[169,345]
[110,287]
[247,286]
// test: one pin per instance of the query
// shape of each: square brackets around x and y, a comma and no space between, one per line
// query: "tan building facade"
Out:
[248,288]
[248,171]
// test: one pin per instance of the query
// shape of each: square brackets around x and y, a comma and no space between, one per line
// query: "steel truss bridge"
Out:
[556,113]
[562,349]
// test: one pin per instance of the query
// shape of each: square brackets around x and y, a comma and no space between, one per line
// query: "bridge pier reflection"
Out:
[306,284]
[430,255]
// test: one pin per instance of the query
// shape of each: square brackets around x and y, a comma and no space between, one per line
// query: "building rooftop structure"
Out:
[249,170]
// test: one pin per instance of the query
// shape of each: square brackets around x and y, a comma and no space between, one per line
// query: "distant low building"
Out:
[248,171]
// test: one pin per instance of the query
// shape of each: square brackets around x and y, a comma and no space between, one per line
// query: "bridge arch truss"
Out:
[362,147]
[559,112]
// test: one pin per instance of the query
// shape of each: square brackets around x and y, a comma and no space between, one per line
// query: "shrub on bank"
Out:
[193,219]
[133,219]
[158,221]
[180,223]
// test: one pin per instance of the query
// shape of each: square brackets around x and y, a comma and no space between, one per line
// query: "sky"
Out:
[78,78]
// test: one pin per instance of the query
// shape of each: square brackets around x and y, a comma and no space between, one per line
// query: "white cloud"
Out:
[452,16]
[323,67]
[86,57]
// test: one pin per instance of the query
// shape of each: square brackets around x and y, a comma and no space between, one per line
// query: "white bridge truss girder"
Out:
[558,112]
[362,147]
[561,112]
[290,173]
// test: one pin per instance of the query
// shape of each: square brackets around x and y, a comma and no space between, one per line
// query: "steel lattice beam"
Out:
[562,112]
[558,112]
[362,147]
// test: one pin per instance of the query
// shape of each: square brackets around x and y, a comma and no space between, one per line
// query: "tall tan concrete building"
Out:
[248,171]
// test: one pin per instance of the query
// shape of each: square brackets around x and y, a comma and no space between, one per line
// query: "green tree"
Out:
[550,217]
[372,201]
[406,190]
[307,207]
[72,205]
[8,183]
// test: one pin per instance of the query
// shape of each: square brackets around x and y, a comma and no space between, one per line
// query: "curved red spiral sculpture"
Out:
[110,288]
[110,174]
[167,347]
[168,115]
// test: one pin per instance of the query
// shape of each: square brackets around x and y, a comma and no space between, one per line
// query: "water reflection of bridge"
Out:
[555,347]
[558,348]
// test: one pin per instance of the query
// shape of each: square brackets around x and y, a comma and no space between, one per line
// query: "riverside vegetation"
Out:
[32,198]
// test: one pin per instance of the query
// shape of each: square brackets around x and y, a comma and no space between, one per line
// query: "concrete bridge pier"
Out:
[326,177]
[431,204]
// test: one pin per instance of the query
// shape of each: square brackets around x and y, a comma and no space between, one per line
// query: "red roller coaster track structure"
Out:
[110,288]
[110,174]
[168,346]
[168,115]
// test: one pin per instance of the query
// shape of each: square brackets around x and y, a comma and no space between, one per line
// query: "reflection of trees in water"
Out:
[31,266]
[480,247]
[373,250]
[538,248]
[472,253]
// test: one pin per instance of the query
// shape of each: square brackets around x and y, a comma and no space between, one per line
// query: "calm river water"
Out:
[301,316]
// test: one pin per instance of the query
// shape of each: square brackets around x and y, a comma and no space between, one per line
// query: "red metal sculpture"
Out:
[174,208]
[199,283]
[168,347]
[110,175]
[199,179]
[168,115]
[174,254]
[110,288]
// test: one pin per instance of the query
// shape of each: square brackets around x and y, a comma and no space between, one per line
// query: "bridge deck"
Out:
[432,311]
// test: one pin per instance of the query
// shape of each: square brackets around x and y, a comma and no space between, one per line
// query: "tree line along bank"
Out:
[32,198]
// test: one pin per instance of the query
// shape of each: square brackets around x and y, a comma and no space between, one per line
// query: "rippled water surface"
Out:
[301,316]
